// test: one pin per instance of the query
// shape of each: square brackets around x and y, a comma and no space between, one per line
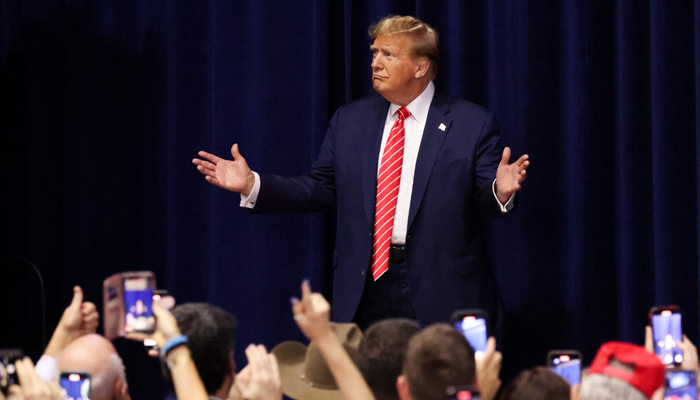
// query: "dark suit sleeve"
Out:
[488,156]
[307,193]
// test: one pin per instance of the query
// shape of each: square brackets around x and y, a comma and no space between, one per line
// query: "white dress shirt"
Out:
[414,126]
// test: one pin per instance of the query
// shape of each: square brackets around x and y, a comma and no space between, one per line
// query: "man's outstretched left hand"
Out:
[509,177]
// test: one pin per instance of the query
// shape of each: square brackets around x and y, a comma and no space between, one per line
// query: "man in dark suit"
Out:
[410,173]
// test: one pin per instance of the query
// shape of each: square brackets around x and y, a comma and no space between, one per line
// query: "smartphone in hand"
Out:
[128,303]
[76,385]
[473,324]
[567,364]
[8,373]
[464,392]
[666,329]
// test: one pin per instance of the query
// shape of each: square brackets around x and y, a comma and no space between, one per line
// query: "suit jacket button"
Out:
[363,272]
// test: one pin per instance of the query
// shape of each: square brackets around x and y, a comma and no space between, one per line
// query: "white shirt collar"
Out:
[420,106]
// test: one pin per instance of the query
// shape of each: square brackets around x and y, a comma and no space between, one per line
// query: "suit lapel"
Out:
[436,127]
[374,126]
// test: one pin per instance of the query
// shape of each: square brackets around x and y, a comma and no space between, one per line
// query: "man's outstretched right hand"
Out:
[234,175]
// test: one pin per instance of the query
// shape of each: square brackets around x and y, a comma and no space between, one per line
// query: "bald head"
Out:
[96,355]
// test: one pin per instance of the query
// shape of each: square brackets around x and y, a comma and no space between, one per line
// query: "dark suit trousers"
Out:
[387,297]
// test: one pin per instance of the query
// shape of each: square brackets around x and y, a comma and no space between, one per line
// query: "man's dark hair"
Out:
[537,383]
[210,332]
[382,352]
[437,357]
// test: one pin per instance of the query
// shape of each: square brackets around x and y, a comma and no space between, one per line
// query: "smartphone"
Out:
[75,385]
[681,385]
[567,364]
[465,392]
[473,324]
[8,373]
[667,332]
[128,300]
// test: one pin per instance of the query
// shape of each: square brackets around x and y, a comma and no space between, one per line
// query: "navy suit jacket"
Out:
[448,268]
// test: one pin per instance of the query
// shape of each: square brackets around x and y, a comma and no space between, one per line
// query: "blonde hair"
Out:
[423,36]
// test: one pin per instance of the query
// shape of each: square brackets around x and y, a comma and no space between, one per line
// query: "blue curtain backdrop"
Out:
[103,104]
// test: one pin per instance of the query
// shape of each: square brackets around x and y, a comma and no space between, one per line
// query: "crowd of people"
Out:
[394,359]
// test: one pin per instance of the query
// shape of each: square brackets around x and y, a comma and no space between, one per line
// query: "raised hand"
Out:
[79,318]
[312,313]
[234,175]
[509,177]
[32,387]
[690,355]
[260,379]
[487,370]
[166,327]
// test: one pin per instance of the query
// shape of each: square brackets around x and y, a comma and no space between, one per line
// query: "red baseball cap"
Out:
[648,372]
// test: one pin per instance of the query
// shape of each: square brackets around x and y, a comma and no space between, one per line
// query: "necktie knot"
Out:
[403,113]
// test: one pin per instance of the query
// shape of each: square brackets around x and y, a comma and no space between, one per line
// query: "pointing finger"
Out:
[305,289]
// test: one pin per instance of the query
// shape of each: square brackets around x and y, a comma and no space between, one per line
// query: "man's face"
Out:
[393,66]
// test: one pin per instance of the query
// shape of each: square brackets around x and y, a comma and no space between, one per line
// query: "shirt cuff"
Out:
[46,368]
[504,207]
[249,200]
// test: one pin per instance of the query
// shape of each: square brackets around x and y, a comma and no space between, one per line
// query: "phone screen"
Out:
[75,386]
[681,385]
[8,373]
[567,367]
[474,329]
[467,392]
[667,332]
[138,299]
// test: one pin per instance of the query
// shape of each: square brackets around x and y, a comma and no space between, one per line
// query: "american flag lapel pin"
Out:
[442,127]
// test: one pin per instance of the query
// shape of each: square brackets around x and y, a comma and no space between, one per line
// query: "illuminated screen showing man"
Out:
[75,388]
[667,332]
[681,385]
[138,298]
[474,329]
[567,368]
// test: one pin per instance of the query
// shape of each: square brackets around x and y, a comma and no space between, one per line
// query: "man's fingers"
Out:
[77,297]
[88,308]
[213,181]
[235,153]
[25,372]
[204,164]
[506,156]
[305,289]
[209,157]
[206,172]
[15,392]
[490,345]
[250,354]
[648,340]
[274,369]
[523,166]
[688,343]
[522,160]
[259,354]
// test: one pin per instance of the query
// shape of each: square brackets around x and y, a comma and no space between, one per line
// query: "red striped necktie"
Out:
[387,194]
